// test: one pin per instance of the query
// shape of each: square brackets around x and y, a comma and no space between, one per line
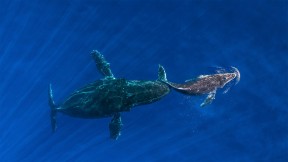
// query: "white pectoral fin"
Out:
[209,99]
[227,89]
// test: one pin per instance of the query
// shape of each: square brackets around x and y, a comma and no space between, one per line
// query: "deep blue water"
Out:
[49,41]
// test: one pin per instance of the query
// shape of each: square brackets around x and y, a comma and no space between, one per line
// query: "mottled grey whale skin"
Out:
[204,84]
[108,97]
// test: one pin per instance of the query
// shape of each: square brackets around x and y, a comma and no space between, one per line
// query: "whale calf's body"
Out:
[205,84]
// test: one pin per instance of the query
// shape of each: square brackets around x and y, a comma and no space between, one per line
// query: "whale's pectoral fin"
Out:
[209,99]
[115,126]
[102,65]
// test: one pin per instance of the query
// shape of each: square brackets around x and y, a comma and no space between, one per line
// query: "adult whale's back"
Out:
[104,98]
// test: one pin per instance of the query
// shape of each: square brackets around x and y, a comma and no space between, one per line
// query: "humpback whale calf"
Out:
[108,97]
[204,84]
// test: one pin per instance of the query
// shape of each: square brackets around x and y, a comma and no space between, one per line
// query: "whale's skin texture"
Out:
[104,98]
[204,84]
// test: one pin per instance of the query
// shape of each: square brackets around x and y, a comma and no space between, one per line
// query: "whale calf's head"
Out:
[226,78]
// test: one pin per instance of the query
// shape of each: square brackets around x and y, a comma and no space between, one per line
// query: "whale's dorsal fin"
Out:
[102,65]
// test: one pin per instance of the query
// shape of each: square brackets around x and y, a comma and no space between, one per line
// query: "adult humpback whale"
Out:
[108,97]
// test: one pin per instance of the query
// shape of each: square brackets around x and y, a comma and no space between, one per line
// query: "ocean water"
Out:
[49,41]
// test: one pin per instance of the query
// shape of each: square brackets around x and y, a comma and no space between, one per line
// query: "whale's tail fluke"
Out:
[162,74]
[163,78]
[53,110]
